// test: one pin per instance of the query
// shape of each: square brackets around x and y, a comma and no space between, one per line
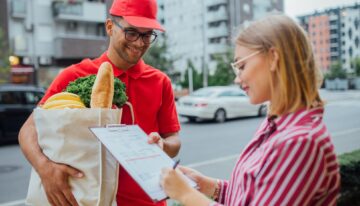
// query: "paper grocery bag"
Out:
[64,137]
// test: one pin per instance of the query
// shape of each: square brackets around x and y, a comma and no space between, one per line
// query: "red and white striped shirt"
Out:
[290,161]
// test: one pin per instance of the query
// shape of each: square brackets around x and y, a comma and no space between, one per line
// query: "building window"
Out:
[71,26]
[214,40]
[100,29]
[350,34]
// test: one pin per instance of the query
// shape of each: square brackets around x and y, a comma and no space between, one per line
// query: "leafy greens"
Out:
[83,87]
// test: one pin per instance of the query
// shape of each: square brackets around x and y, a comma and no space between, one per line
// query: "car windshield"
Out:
[205,92]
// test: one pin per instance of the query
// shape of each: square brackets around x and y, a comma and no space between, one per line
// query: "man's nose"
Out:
[139,42]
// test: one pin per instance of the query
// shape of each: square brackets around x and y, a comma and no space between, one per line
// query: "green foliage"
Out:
[83,87]
[336,71]
[350,179]
[223,74]
[158,57]
[356,63]
[4,59]
[197,77]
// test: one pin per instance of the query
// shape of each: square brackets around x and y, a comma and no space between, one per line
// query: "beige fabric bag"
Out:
[65,138]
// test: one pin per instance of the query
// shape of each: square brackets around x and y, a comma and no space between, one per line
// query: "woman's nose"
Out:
[237,80]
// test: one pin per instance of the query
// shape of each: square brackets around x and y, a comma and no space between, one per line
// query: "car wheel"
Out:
[262,110]
[220,115]
[192,119]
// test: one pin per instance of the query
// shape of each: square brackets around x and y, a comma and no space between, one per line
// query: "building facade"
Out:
[47,36]
[335,36]
[350,36]
[201,30]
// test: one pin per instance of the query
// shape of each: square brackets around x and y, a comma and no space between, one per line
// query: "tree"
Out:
[197,77]
[4,59]
[158,57]
[356,63]
[223,74]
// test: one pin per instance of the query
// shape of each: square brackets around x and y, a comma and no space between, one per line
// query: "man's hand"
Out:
[155,138]
[55,179]
[172,144]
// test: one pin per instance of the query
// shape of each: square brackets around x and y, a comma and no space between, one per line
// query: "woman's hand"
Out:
[174,184]
[206,185]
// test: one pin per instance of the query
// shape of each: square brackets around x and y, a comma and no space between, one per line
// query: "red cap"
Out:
[139,13]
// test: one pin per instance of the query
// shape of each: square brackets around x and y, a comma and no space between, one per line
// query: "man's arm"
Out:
[54,177]
[29,144]
[171,143]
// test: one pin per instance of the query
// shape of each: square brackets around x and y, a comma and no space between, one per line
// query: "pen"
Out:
[176,163]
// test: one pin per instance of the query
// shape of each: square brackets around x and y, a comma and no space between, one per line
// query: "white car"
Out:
[218,103]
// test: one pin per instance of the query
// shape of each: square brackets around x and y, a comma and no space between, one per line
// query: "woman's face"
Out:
[254,75]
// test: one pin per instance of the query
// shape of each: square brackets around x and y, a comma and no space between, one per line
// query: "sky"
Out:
[295,8]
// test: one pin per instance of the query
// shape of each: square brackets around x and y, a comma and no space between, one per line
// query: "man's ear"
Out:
[274,59]
[108,26]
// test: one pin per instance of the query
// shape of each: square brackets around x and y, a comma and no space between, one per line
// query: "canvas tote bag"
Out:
[65,138]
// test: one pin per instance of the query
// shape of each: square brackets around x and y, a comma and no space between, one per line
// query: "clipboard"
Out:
[143,161]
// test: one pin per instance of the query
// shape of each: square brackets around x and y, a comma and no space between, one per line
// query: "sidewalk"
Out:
[335,95]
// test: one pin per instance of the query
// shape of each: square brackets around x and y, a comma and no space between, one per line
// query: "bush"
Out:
[350,179]
[336,71]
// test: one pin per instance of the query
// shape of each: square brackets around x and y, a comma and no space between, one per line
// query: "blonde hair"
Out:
[297,77]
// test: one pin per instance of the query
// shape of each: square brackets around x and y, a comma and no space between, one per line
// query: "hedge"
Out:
[350,179]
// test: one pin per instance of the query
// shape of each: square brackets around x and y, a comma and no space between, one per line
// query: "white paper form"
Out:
[143,161]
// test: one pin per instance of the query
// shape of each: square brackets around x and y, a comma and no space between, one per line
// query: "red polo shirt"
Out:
[150,92]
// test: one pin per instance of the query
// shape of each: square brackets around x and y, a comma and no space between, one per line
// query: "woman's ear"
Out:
[274,59]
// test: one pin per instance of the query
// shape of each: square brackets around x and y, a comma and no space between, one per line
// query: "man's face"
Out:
[129,51]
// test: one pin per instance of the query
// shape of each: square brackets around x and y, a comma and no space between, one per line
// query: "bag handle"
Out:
[131,111]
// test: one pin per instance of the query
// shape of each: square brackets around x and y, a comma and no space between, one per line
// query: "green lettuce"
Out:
[83,87]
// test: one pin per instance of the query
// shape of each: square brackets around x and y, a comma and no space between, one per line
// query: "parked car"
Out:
[218,103]
[16,104]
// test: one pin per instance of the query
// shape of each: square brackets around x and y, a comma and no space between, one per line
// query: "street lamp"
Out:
[14,60]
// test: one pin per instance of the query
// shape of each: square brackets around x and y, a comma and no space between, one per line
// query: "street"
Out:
[207,146]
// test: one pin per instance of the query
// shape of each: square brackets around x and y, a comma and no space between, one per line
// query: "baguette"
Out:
[103,89]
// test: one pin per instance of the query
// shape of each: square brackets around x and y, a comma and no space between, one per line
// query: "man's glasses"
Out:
[133,35]
[237,67]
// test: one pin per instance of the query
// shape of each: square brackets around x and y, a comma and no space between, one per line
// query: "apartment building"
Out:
[350,36]
[46,36]
[200,30]
[335,36]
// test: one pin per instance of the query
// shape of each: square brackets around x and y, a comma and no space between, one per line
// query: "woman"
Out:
[291,159]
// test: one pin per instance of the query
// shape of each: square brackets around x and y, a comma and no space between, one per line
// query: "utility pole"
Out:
[34,55]
[203,59]
[190,77]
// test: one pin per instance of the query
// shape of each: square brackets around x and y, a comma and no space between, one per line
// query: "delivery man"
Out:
[131,31]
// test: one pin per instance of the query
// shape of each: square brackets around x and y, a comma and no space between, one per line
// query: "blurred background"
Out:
[39,38]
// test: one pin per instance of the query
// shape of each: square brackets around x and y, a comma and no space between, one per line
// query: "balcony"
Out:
[79,11]
[221,31]
[333,17]
[217,48]
[18,8]
[334,54]
[219,15]
[214,2]
[72,47]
